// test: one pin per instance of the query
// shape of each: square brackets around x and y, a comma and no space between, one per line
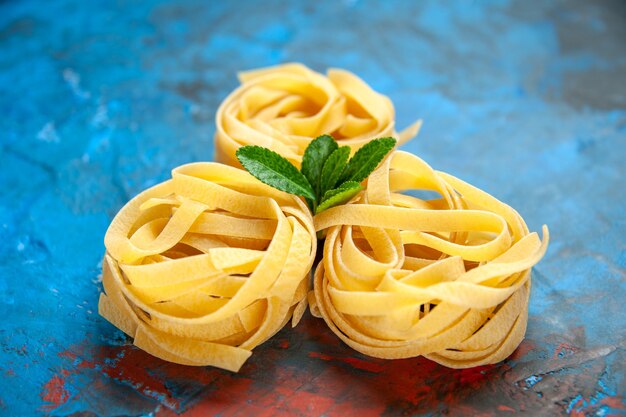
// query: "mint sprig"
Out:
[327,177]
[332,169]
[319,149]
[274,170]
[366,159]
[339,195]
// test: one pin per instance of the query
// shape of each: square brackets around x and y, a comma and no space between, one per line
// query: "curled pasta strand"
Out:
[284,107]
[447,278]
[202,268]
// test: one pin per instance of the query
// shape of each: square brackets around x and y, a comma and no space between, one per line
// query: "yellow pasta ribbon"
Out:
[202,268]
[447,278]
[284,107]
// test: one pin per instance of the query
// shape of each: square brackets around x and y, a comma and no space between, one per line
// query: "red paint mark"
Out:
[307,404]
[523,349]
[617,403]
[474,376]
[272,412]
[10,372]
[354,362]
[464,410]
[506,408]
[359,396]
[564,349]
[222,400]
[54,392]
[356,408]
[576,411]
[131,369]
[270,386]
[128,365]
[410,386]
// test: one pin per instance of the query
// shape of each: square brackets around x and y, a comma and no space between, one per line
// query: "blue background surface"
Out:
[101,99]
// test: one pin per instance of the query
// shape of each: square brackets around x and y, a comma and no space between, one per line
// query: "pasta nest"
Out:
[284,107]
[447,278]
[203,267]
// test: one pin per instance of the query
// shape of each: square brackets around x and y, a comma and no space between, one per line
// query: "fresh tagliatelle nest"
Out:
[202,268]
[447,278]
[284,107]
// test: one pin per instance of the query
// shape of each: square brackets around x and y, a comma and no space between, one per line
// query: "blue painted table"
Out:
[99,100]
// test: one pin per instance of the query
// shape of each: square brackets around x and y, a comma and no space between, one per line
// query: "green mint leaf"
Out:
[366,159]
[274,170]
[333,167]
[314,157]
[339,195]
